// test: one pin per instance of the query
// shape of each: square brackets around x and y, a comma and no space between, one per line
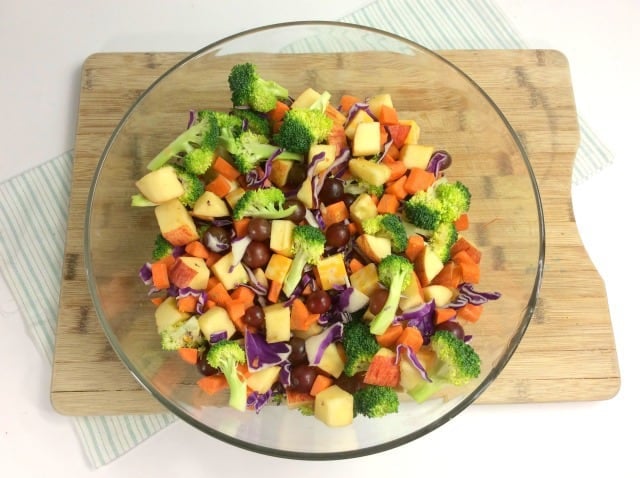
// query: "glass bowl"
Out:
[454,114]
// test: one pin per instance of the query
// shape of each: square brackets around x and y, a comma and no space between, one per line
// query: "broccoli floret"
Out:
[423,210]
[389,226]
[301,128]
[357,187]
[161,248]
[248,149]
[198,161]
[193,187]
[265,203]
[256,122]
[307,245]
[394,273]
[454,199]
[226,355]
[374,401]
[248,88]
[202,134]
[359,346]
[443,239]
[182,334]
[457,363]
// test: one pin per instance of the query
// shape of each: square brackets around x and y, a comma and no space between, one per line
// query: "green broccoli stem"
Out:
[272,87]
[266,150]
[295,273]
[382,321]
[138,200]
[181,144]
[426,390]
[237,387]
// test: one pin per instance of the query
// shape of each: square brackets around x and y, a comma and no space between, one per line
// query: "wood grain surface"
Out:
[568,352]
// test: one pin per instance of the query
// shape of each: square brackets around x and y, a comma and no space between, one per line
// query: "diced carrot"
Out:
[393,152]
[241,226]
[390,336]
[274,291]
[353,228]
[335,213]
[419,180]
[375,199]
[346,102]
[355,265]
[160,275]
[187,304]
[189,355]
[275,126]
[212,258]
[225,168]
[212,282]
[469,269]
[301,318]
[244,295]
[388,115]
[220,186]
[209,304]
[219,294]
[398,169]
[449,276]
[470,312]
[157,301]
[442,315]
[384,135]
[383,371]
[320,383]
[277,113]
[388,203]
[336,116]
[168,260]
[235,309]
[462,223]
[337,137]
[415,244]
[397,187]
[463,244]
[412,338]
[197,249]
[212,384]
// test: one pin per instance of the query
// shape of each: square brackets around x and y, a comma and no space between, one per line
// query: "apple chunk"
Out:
[175,223]
[427,265]
[209,206]
[160,185]
[190,272]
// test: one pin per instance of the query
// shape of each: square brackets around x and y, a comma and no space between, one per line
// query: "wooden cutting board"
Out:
[568,352]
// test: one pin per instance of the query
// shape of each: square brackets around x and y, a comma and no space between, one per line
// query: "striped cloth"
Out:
[27,226]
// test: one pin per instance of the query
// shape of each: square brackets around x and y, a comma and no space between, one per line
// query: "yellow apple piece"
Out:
[416,155]
[167,314]
[363,208]
[366,139]
[334,407]
[332,271]
[305,99]
[262,380]
[440,294]
[277,268]
[360,117]
[160,185]
[227,274]
[413,137]
[277,323]
[175,223]
[413,295]
[427,265]
[370,172]
[209,206]
[215,320]
[375,248]
[282,236]
[329,151]
[377,101]
[366,279]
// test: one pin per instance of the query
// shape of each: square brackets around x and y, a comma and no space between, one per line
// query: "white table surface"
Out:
[43,46]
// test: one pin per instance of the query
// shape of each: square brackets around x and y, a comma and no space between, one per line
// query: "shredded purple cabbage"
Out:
[214,244]
[238,248]
[360,107]
[178,251]
[261,354]
[421,318]
[182,292]
[222,222]
[413,359]
[145,274]
[326,338]
[285,374]
[258,400]
[305,280]
[217,336]
[192,118]
[387,145]
[467,294]
[253,177]
[254,285]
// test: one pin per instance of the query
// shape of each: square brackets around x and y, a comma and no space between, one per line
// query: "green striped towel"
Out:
[437,24]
